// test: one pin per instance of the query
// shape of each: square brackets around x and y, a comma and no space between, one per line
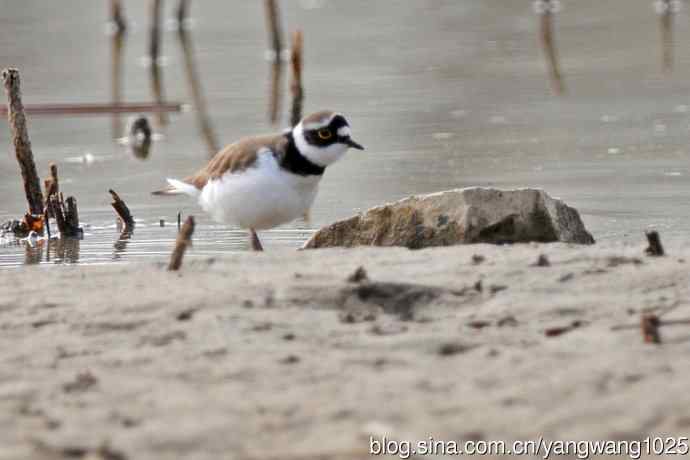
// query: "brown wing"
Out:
[234,158]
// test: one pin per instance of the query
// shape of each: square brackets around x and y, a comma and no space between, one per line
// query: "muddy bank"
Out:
[278,355]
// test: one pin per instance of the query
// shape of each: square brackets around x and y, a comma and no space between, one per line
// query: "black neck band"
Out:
[297,163]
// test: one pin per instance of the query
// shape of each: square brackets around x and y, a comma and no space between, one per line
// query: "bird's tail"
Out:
[177,187]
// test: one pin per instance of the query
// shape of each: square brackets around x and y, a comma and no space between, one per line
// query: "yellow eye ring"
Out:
[324,134]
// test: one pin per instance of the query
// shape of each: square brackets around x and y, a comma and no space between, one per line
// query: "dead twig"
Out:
[22,144]
[122,211]
[655,248]
[660,322]
[560,330]
[184,239]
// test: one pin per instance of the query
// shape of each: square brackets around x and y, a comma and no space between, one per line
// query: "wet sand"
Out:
[277,355]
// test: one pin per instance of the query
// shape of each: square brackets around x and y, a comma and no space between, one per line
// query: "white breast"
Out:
[260,197]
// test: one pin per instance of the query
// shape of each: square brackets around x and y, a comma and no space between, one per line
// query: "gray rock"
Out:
[461,216]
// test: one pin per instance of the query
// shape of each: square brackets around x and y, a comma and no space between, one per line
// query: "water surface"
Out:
[443,94]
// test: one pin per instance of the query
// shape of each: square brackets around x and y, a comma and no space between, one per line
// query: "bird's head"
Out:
[324,137]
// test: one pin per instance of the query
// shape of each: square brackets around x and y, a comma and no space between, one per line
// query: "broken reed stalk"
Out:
[46,220]
[72,216]
[184,239]
[650,328]
[51,186]
[548,43]
[58,212]
[54,176]
[655,248]
[296,83]
[66,215]
[122,211]
[117,16]
[22,144]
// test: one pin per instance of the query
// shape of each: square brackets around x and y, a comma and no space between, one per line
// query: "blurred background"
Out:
[443,94]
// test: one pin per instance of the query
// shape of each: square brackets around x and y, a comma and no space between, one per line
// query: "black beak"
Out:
[352,143]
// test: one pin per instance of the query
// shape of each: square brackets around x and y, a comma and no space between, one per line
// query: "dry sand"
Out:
[276,355]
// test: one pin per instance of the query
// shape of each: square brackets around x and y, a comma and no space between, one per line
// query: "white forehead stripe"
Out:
[344,131]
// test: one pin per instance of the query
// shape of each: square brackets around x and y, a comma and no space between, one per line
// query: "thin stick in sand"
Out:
[655,248]
[296,87]
[184,239]
[122,211]
[22,144]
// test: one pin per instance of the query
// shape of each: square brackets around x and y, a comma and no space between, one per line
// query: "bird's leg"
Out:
[256,243]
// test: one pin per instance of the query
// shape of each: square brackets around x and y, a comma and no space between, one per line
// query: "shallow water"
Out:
[443,94]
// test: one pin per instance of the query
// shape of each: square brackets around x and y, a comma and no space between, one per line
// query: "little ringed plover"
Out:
[261,182]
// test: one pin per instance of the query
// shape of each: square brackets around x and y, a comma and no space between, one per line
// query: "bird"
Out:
[261,182]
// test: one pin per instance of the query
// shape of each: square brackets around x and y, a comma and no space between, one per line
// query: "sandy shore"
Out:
[277,355]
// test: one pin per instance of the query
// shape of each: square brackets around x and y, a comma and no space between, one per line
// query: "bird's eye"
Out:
[325,134]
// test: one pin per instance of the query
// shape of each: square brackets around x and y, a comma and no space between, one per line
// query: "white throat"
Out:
[321,156]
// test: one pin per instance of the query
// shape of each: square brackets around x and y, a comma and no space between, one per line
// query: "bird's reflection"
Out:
[139,137]
[33,253]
